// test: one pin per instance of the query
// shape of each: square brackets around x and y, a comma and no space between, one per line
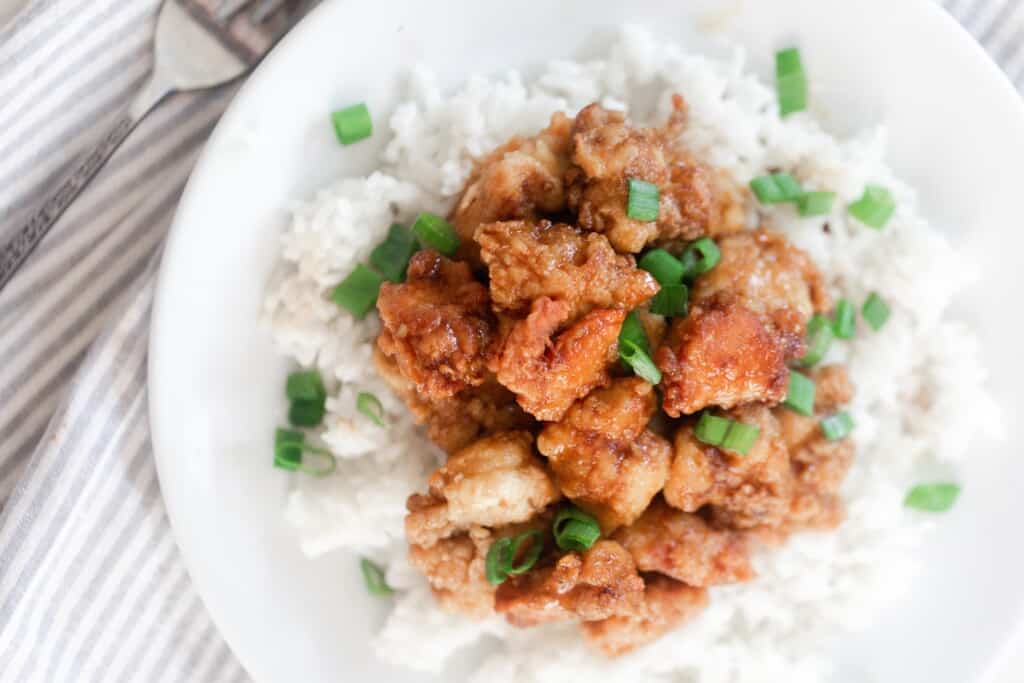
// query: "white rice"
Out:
[920,384]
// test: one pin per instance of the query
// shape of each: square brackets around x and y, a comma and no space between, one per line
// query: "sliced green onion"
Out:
[711,429]
[845,323]
[937,497]
[373,576]
[305,385]
[800,397]
[670,301]
[816,203]
[642,204]
[776,188]
[370,406]
[819,338]
[436,233]
[352,124]
[391,257]
[741,437]
[874,208]
[632,330]
[358,292]
[494,563]
[875,311]
[640,361]
[574,529]
[665,267]
[838,426]
[290,449]
[790,81]
[500,562]
[306,412]
[700,257]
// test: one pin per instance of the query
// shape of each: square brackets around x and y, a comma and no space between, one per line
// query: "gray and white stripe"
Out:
[91,584]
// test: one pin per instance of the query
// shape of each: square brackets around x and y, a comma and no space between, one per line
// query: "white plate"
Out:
[957,133]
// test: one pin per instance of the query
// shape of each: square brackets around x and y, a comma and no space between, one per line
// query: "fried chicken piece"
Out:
[766,274]
[682,545]
[666,605]
[547,373]
[496,481]
[437,325]
[521,179]
[530,259]
[602,455]
[597,584]
[606,152]
[744,490]
[455,569]
[723,354]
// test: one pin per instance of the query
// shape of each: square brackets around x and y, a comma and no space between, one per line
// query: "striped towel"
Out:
[91,584]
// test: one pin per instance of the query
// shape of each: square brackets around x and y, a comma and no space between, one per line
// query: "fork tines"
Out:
[248,27]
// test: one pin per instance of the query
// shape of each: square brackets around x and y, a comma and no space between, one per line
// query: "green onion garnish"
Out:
[800,397]
[501,563]
[819,338]
[635,349]
[790,81]
[305,385]
[370,406]
[937,497]
[670,301]
[306,412]
[838,426]
[436,233]
[874,208]
[845,322]
[815,203]
[875,311]
[700,257]
[574,529]
[290,449]
[776,188]
[665,267]
[358,292]
[352,124]
[711,429]
[391,257]
[374,578]
[642,204]
[740,437]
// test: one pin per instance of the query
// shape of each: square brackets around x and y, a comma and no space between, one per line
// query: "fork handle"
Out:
[24,242]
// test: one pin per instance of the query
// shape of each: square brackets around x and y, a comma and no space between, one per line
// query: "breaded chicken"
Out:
[547,369]
[602,455]
[496,481]
[596,584]
[666,605]
[527,260]
[682,545]
[437,326]
[455,569]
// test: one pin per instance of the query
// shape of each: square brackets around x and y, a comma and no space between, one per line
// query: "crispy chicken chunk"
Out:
[528,260]
[722,354]
[683,546]
[437,325]
[666,605]
[496,481]
[520,179]
[603,456]
[744,490]
[547,372]
[455,569]
[597,584]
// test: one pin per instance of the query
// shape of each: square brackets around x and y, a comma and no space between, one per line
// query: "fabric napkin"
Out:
[92,587]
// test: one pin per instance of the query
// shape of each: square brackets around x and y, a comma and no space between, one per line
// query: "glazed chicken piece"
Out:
[744,490]
[683,546]
[529,260]
[437,325]
[520,179]
[496,481]
[548,372]
[602,455]
[666,605]
[455,569]
[599,583]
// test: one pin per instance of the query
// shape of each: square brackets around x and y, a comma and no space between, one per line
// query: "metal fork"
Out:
[199,44]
